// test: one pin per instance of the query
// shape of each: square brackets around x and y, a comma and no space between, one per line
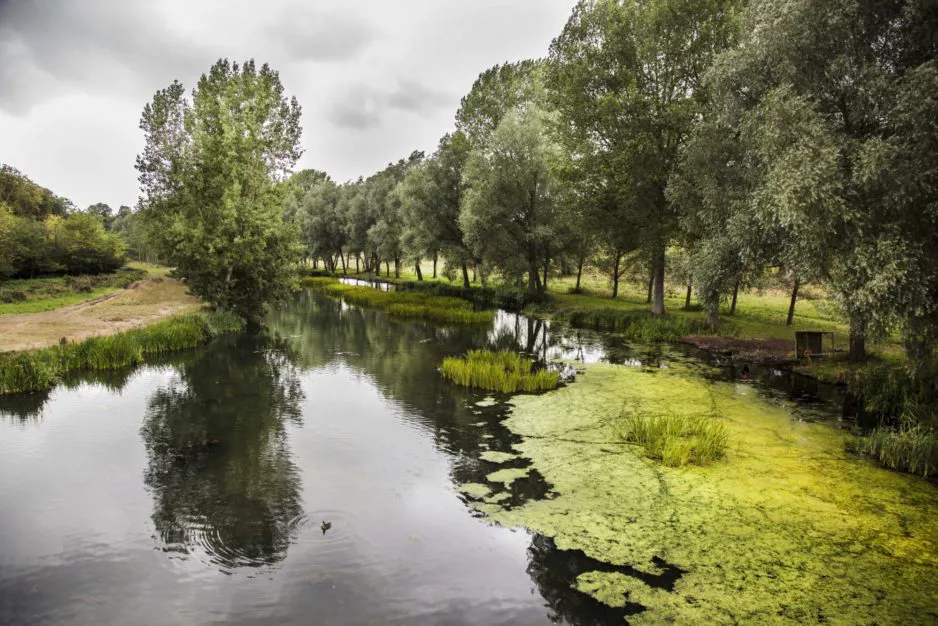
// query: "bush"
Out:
[41,369]
[677,439]
[640,326]
[506,372]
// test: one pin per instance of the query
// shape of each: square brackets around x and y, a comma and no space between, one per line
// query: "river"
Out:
[192,490]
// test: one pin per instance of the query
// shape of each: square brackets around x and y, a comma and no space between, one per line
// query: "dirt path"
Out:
[140,304]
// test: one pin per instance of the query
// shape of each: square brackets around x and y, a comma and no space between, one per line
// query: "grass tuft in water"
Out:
[506,372]
[677,439]
[36,370]
[912,449]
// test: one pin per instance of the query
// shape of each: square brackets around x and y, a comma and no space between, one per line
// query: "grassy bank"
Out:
[40,369]
[507,372]
[33,295]
[403,304]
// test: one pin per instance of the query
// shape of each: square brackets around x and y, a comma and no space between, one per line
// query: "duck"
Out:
[325,526]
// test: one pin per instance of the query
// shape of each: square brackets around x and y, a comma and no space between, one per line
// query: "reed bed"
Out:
[677,439]
[506,372]
[404,304]
[36,370]
[912,449]
[640,326]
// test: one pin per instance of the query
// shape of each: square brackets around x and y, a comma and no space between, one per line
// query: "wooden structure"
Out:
[810,343]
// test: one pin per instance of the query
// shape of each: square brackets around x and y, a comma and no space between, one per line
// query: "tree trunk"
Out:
[791,306]
[579,273]
[344,266]
[534,276]
[651,287]
[735,294]
[387,268]
[546,270]
[615,276]
[713,310]
[687,297]
[657,308]
[465,277]
[473,272]
[857,352]
[419,273]
[434,264]
[397,267]
[357,267]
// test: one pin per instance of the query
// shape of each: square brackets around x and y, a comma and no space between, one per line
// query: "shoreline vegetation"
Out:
[506,372]
[43,368]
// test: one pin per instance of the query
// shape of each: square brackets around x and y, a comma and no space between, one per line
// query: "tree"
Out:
[498,90]
[625,77]
[811,116]
[431,197]
[103,212]
[509,216]
[208,175]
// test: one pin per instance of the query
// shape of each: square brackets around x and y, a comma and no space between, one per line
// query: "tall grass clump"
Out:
[404,304]
[641,326]
[912,449]
[507,372]
[677,439]
[36,370]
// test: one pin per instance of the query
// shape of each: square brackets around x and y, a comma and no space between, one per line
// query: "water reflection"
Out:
[219,467]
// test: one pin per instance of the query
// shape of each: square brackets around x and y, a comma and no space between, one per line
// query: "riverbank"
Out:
[787,528]
[755,333]
[141,303]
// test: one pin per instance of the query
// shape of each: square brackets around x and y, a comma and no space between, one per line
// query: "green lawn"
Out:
[33,295]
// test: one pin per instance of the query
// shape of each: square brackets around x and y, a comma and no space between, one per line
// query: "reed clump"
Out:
[912,449]
[641,326]
[507,372]
[678,439]
[403,304]
[36,370]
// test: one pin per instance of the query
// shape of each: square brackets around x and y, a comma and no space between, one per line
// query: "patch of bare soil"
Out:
[761,351]
[142,303]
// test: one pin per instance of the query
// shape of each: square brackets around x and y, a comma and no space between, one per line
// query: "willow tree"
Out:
[510,213]
[626,78]
[208,176]
[820,125]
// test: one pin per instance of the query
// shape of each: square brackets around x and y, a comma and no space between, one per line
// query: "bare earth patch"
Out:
[142,303]
[764,351]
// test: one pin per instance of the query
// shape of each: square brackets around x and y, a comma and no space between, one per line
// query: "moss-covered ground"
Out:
[788,528]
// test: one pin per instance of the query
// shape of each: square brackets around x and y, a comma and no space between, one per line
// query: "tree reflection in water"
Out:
[219,467]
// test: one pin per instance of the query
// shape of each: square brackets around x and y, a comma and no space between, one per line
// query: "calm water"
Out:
[191,490]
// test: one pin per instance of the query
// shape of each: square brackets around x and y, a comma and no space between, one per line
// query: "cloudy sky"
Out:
[376,79]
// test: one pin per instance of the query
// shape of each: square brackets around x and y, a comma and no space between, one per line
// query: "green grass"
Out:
[640,325]
[36,370]
[506,372]
[677,439]
[403,304]
[33,295]
[912,449]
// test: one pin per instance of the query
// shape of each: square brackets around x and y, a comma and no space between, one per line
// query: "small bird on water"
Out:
[325,526]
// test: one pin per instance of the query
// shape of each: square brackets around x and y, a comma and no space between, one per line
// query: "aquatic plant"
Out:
[507,372]
[35,370]
[405,304]
[678,439]
[912,449]
[640,326]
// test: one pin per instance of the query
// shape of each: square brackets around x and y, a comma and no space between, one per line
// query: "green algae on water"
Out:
[474,490]
[508,475]
[494,456]
[788,528]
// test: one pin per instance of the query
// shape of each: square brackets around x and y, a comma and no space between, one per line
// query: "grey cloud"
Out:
[414,97]
[323,36]
[360,106]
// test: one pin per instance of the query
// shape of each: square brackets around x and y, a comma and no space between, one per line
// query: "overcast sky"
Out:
[376,79]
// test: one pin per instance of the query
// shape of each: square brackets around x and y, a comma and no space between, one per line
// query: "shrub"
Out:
[41,369]
[640,326]
[506,372]
[677,439]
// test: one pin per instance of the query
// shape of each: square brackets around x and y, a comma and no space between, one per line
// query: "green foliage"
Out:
[640,326]
[36,370]
[442,309]
[210,172]
[678,439]
[507,372]
[912,449]
[27,199]
[42,294]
